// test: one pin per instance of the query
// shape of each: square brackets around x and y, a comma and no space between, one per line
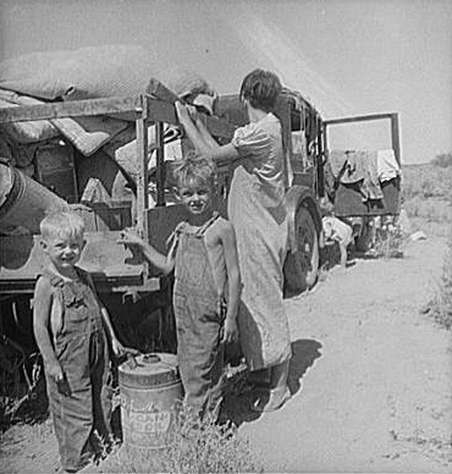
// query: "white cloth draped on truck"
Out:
[368,169]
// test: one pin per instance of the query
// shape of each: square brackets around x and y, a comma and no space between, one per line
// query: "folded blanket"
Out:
[87,134]
[123,149]
[25,132]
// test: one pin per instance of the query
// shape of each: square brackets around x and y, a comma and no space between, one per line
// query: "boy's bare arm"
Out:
[42,307]
[118,348]
[234,282]
[219,153]
[165,263]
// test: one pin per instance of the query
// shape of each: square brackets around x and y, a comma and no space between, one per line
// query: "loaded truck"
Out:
[130,287]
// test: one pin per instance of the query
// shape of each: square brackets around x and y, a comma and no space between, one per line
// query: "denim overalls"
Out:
[199,320]
[81,349]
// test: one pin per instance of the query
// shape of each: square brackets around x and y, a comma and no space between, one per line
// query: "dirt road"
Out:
[375,377]
[376,374]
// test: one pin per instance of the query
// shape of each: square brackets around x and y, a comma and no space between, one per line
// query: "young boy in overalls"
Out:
[203,253]
[71,327]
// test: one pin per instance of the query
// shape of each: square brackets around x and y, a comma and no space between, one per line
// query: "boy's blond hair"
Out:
[62,224]
[195,168]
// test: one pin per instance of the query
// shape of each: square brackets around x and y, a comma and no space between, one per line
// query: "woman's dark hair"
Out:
[261,88]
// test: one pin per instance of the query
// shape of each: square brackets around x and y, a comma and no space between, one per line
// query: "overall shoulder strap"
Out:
[202,230]
[174,236]
[84,276]
[57,308]
[55,280]
[87,279]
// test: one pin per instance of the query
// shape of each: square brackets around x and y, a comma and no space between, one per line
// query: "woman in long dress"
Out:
[257,210]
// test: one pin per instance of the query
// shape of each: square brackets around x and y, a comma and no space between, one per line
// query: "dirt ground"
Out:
[376,374]
[370,377]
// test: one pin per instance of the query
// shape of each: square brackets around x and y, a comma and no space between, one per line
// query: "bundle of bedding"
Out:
[92,72]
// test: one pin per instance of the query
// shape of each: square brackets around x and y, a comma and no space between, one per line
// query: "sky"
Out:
[348,57]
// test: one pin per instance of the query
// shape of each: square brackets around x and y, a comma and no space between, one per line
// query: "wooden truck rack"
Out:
[116,274]
[115,268]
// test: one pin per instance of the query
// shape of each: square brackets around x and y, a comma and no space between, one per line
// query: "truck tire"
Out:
[301,267]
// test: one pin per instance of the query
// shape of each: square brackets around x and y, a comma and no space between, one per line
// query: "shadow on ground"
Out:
[239,397]
[304,354]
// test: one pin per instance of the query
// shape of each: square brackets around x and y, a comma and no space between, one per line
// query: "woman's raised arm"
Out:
[202,139]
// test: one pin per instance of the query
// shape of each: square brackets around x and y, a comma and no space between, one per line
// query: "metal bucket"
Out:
[24,202]
[150,388]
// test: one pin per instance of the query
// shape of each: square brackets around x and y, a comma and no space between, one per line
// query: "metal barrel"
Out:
[150,389]
[23,201]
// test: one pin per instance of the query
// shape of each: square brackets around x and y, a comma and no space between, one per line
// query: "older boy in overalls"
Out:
[70,328]
[203,253]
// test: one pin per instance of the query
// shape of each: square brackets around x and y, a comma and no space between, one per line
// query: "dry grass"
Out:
[193,446]
[428,201]
[440,306]
[390,241]
[427,181]
[433,210]
[427,194]
[21,385]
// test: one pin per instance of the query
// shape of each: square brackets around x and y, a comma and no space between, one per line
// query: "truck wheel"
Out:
[301,267]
